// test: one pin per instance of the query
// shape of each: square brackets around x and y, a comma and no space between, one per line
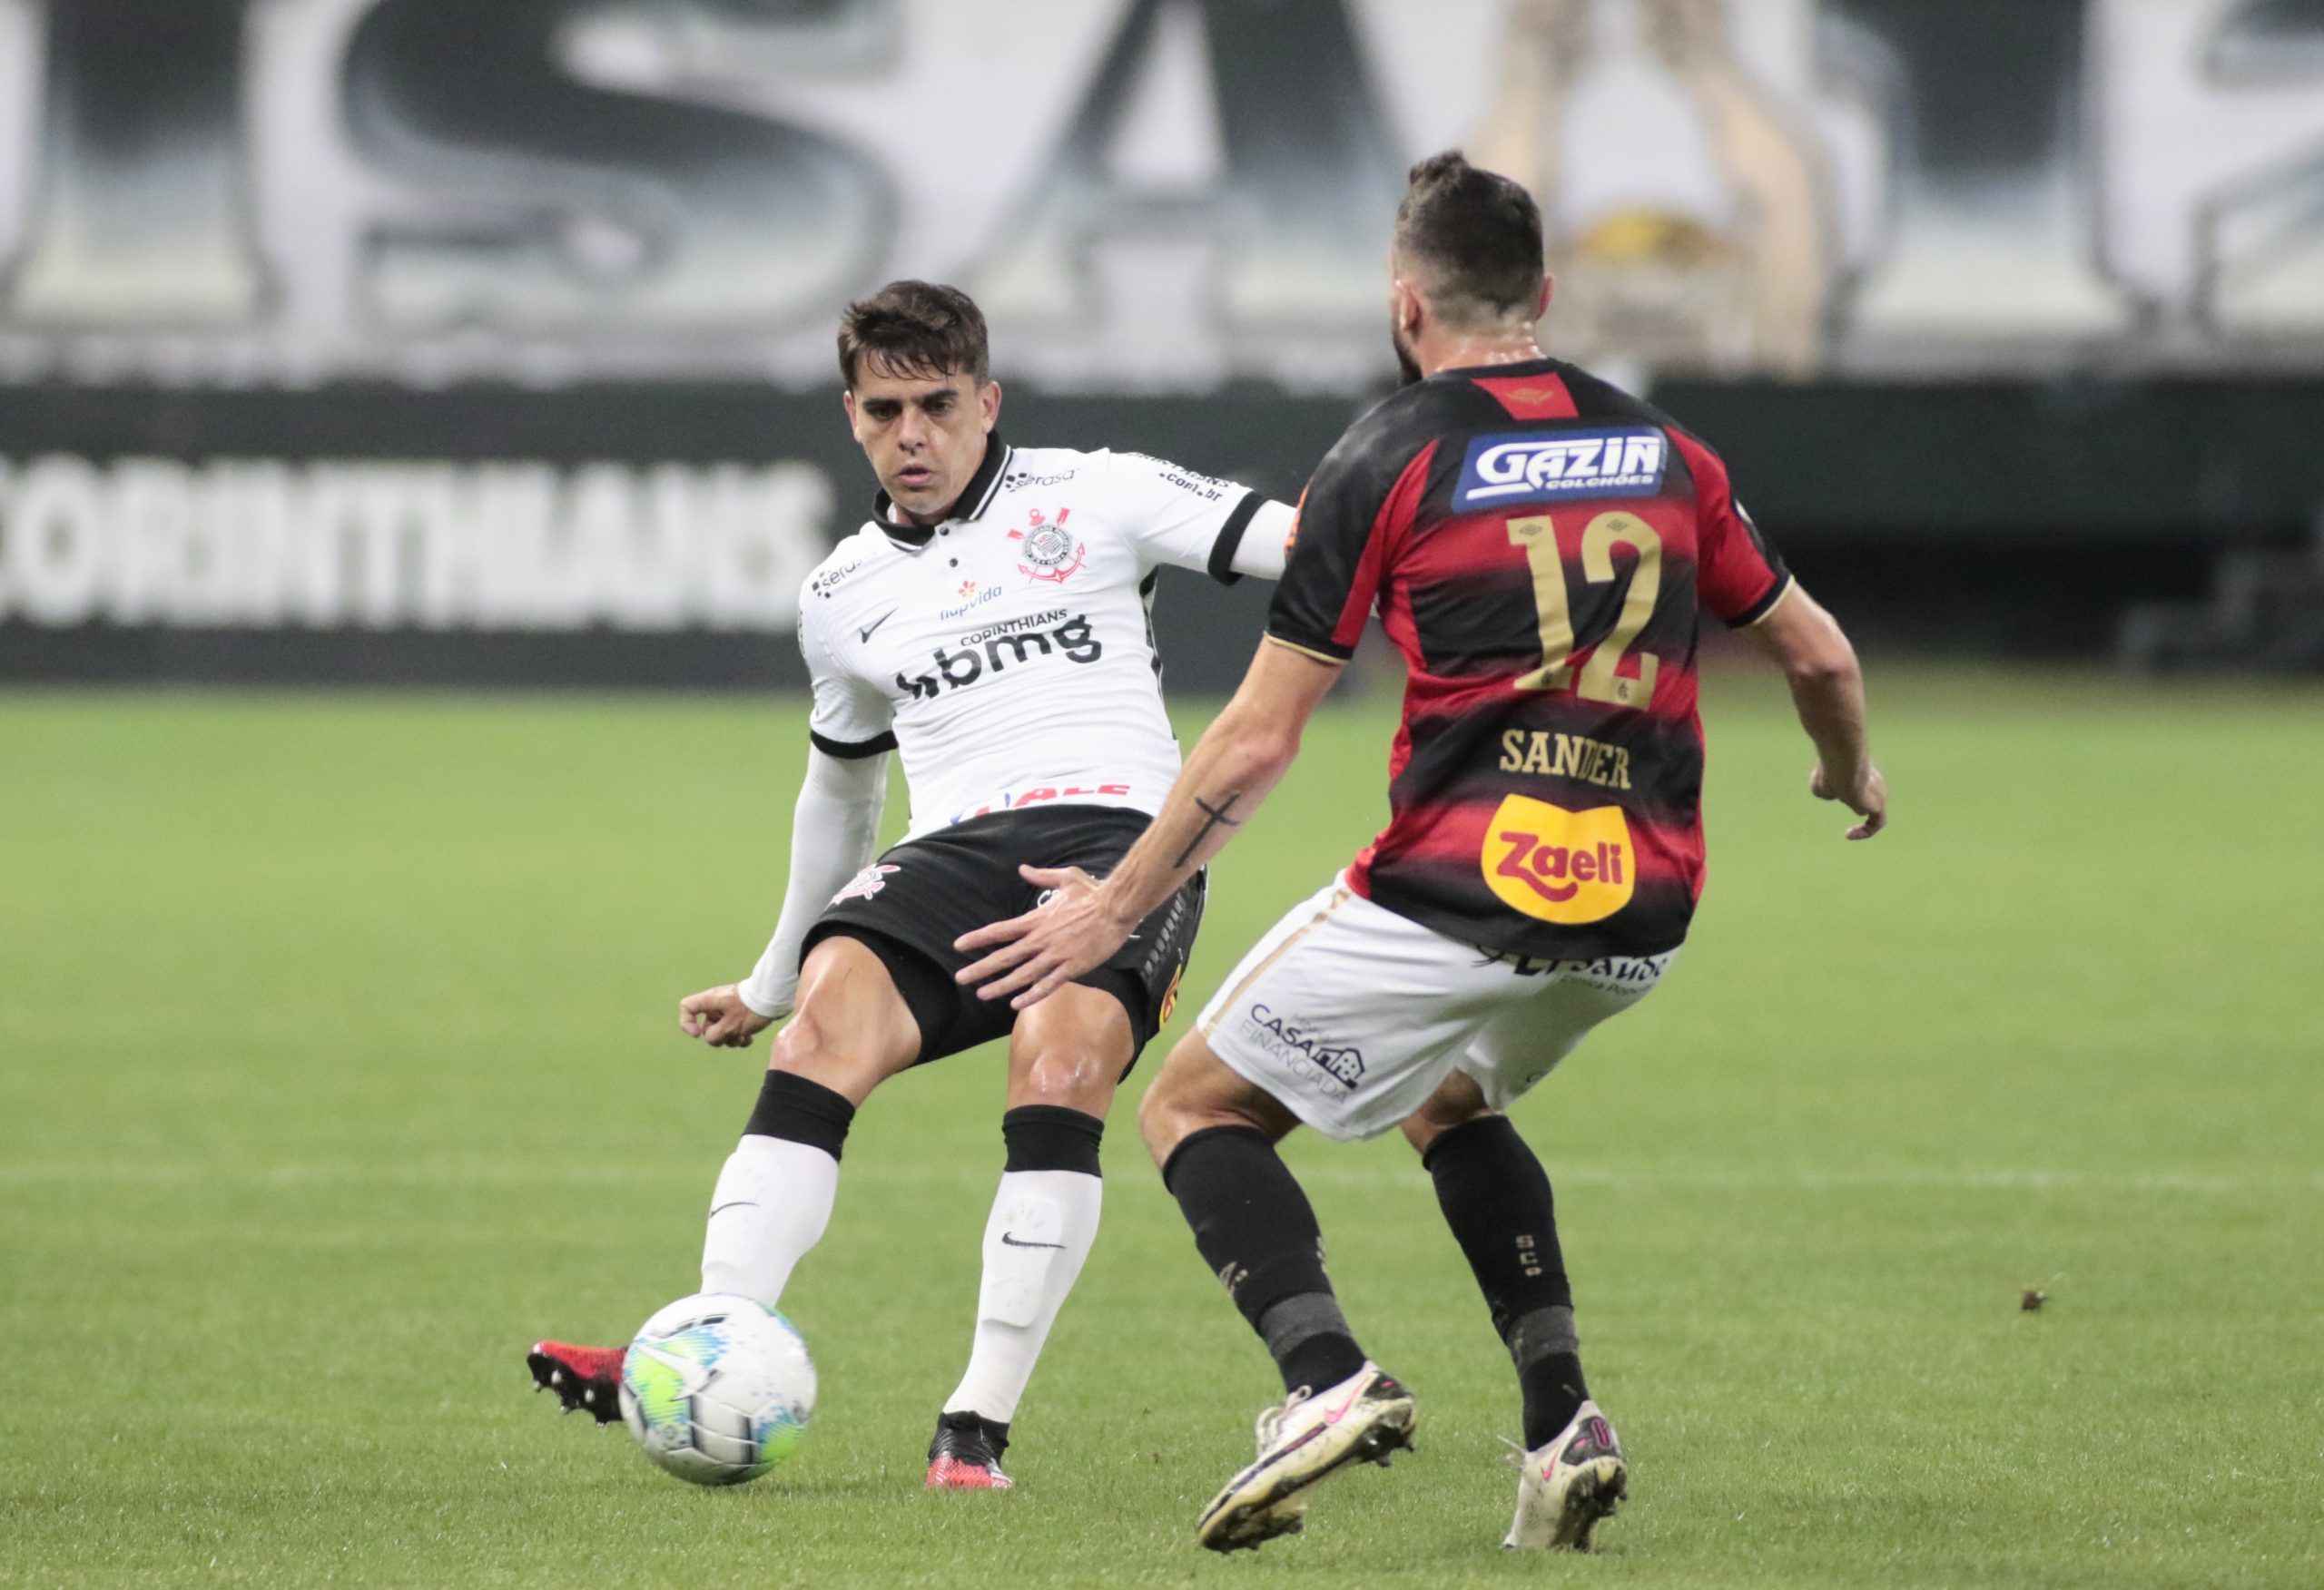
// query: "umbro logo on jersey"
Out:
[865,633]
[1563,466]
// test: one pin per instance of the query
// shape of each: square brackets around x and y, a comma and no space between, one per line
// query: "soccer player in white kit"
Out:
[989,624]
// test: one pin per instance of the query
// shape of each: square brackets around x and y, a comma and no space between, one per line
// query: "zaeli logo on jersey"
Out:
[1051,553]
[1561,465]
[1559,866]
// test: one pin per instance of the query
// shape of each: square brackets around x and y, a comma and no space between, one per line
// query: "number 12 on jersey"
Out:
[1600,679]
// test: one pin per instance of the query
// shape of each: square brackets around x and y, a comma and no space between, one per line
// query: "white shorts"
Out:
[1351,1014]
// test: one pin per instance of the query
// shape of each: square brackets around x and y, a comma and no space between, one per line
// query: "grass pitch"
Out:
[337,1060]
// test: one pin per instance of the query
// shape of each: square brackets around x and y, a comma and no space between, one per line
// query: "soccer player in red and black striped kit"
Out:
[1538,545]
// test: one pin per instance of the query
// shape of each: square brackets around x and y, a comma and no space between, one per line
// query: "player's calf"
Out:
[1496,1198]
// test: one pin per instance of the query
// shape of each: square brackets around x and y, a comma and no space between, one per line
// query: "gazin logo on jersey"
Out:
[1564,465]
[1559,866]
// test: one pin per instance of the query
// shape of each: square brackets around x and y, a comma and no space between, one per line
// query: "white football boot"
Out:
[1566,1486]
[1312,1436]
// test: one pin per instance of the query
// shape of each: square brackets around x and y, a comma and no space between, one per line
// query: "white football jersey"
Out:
[1008,655]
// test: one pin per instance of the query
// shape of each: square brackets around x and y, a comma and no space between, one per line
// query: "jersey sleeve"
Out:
[1350,517]
[1176,517]
[851,718]
[1740,577]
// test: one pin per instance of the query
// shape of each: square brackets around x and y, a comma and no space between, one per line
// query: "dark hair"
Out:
[1476,237]
[917,328]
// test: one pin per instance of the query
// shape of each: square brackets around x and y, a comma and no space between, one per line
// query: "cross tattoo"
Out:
[1213,816]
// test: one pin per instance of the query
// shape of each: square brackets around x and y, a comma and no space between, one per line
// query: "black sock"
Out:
[1496,1198]
[1257,1233]
[799,1110]
[1051,1138]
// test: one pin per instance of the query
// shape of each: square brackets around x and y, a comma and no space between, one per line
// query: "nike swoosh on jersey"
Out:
[1009,1240]
[865,633]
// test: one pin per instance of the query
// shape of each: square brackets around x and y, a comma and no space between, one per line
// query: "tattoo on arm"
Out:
[1212,817]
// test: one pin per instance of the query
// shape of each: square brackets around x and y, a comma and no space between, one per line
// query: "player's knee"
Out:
[1432,1121]
[1075,1078]
[1156,1122]
[1457,1101]
[811,1046]
[1169,1113]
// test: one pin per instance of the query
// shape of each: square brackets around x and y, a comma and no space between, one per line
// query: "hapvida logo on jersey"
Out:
[1016,641]
[971,595]
[1563,466]
[1303,1050]
[1559,866]
[1052,553]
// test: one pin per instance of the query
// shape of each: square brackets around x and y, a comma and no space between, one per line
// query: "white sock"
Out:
[1043,1225]
[771,1203]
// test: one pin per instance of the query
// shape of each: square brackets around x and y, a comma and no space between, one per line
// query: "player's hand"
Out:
[1869,797]
[1069,934]
[719,1017]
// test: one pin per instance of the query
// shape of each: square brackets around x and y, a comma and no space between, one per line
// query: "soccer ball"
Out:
[717,1389]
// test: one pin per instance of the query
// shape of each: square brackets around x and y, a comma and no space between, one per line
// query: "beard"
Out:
[1407,367]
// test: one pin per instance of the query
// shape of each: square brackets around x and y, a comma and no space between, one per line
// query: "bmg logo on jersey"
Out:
[991,650]
[1566,466]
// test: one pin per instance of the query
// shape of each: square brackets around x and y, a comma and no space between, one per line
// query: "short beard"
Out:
[1408,368]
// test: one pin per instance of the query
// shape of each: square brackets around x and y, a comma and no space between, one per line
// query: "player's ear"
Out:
[989,401]
[1406,308]
[847,401]
[1541,304]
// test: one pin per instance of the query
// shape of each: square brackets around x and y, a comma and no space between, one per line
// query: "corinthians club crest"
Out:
[1050,552]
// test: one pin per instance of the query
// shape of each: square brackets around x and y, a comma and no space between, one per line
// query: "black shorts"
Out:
[909,906]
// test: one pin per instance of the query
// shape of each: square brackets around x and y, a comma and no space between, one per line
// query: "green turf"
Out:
[337,1060]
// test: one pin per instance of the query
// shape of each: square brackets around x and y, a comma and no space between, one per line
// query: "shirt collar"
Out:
[974,499]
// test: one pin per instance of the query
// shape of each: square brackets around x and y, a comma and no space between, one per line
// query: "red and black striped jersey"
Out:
[1538,545]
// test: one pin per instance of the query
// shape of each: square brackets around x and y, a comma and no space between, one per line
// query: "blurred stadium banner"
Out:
[394,339]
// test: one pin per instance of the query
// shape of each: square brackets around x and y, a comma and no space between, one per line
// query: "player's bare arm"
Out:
[1241,756]
[1827,689]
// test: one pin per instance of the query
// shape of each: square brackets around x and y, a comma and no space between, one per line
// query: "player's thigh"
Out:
[1071,1050]
[1524,1042]
[850,1030]
[1350,1015]
[1197,1091]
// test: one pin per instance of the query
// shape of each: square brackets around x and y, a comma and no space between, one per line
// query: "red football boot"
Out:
[586,1378]
[966,1454]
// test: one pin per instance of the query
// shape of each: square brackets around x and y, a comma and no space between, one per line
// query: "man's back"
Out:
[1538,545]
